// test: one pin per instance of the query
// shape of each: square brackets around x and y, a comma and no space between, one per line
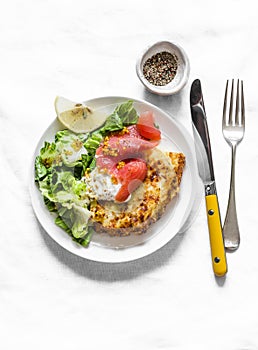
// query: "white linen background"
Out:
[50,298]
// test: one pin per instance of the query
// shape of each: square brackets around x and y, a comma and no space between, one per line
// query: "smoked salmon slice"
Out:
[146,127]
[120,155]
[131,175]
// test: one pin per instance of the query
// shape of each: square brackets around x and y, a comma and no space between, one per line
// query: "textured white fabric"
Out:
[51,299]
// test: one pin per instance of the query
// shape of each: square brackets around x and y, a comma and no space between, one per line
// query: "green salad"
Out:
[61,165]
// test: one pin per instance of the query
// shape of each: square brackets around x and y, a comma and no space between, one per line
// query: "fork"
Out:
[233,129]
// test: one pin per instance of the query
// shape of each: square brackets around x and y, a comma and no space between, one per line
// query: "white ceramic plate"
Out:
[179,213]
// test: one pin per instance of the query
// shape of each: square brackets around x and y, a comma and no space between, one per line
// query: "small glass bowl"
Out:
[183,69]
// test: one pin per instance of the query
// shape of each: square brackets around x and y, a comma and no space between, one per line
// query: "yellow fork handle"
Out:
[218,255]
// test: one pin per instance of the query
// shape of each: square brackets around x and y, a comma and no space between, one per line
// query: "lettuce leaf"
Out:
[80,223]
[40,169]
[67,137]
[127,113]
[49,155]
[67,196]
[70,147]
[61,223]
[75,222]
[113,123]
[124,115]
[50,205]
[65,189]
[93,142]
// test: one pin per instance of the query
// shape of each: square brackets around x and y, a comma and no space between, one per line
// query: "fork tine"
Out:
[231,104]
[237,105]
[224,121]
[242,105]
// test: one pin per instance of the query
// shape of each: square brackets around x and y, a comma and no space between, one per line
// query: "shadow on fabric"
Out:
[112,272]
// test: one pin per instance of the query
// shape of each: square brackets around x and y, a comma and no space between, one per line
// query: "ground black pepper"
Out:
[161,68]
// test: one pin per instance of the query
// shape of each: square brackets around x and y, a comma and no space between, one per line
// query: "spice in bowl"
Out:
[160,69]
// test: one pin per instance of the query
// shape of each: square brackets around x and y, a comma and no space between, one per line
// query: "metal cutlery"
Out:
[233,128]
[206,172]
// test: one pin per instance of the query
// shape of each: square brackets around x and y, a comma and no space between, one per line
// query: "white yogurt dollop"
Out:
[101,185]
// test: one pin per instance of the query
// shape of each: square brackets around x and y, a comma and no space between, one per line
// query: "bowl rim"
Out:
[159,89]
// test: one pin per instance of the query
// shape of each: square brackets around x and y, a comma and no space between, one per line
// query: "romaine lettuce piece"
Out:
[127,113]
[74,220]
[40,169]
[124,114]
[70,147]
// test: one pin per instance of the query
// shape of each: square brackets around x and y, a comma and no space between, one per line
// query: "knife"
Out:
[206,172]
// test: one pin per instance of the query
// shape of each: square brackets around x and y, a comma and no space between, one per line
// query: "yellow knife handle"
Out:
[219,261]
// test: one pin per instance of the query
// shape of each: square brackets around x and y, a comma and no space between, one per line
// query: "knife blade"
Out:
[206,172]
